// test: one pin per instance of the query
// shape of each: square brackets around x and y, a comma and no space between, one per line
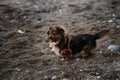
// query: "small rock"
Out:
[54,78]
[118,26]
[65,79]
[101,52]
[110,21]
[63,73]
[46,77]
[77,59]
[98,77]
[27,71]
[21,32]
[118,69]
[24,17]
[12,21]
[113,15]
[81,70]
[36,7]
[97,73]
[60,10]
[113,47]
[18,69]
[19,78]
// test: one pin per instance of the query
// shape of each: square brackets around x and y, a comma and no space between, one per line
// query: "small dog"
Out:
[66,46]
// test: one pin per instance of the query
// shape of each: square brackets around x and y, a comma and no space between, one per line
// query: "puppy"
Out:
[66,46]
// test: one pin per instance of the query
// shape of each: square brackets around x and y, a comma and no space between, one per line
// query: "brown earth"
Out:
[24,52]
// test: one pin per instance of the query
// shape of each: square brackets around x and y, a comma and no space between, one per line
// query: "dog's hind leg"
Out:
[88,50]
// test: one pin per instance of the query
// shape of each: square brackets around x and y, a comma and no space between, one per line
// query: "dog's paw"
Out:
[85,55]
[62,59]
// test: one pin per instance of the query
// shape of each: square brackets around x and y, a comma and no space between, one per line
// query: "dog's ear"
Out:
[61,30]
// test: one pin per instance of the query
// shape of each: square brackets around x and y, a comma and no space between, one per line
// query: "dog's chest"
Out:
[54,48]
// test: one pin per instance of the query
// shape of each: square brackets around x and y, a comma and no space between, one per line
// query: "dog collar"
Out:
[69,40]
[63,52]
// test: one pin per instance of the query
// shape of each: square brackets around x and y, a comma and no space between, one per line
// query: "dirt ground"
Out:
[25,54]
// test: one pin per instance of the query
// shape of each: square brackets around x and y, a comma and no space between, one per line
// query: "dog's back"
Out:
[81,41]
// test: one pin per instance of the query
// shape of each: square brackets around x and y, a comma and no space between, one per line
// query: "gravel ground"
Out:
[24,52]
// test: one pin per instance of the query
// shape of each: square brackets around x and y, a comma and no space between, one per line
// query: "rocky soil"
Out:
[24,52]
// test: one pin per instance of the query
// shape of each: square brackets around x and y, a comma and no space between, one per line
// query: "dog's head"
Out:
[55,34]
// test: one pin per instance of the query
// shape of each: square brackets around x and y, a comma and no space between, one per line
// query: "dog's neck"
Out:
[63,42]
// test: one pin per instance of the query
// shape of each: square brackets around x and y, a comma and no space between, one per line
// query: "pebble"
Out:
[117,69]
[77,59]
[65,79]
[60,10]
[101,52]
[21,32]
[46,77]
[81,70]
[19,78]
[27,71]
[117,26]
[113,47]
[12,21]
[113,15]
[18,69]
[98,77]
[97,73]
[54,78]
[63,73]
[35,6]
[110,21]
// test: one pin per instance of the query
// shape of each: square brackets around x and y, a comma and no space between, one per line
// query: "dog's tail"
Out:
[101,34]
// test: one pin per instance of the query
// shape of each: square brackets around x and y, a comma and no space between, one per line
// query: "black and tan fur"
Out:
[59,42]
